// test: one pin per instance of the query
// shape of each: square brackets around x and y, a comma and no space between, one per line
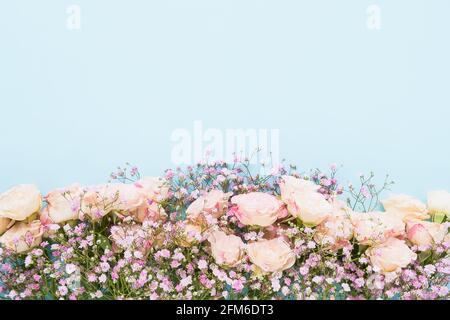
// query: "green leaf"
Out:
[424,256]
[362,248]
[439,217]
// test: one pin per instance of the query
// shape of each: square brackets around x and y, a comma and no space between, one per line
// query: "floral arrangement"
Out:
[220,231]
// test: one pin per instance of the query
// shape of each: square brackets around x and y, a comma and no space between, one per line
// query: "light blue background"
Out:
[75,104]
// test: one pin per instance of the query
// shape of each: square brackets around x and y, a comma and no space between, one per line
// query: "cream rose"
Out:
[98,201]
[337,229]
[290,185]
[20,202]
[214,203]
[62,205]
[406,207]
[271,255]
[423,233]
[258,209]
[303,201]
[5,223]
[439,202]
[226,249]
[23,236]
[149,211]
[153,188]
[375,227]
[312,208]
[129,197]
[94,203]
[391,255]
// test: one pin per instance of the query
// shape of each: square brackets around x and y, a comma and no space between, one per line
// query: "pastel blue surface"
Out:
[75,104]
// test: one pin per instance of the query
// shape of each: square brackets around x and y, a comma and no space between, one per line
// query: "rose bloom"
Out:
[105,198]
[303,201]
[226,249]
[23,236]
[424,233]
[214,203]
[391,255]
[406,207]
[271,255]
[439,202]
[290,185]
[20,202]
[149,211]
[60,205]
[153,188]
[5,224]
[337,229]
[129,197]
[258,209]
[375,227]
[311,208]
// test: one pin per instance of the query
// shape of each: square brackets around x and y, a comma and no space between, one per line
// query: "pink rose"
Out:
[271,255]
[214,203]
[258,209]
[226,249]
[391,255]
[423,233]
